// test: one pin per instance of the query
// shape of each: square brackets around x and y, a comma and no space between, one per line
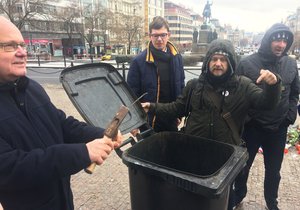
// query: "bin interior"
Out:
[183,153]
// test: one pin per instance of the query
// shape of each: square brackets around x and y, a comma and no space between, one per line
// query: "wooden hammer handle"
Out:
[111,131]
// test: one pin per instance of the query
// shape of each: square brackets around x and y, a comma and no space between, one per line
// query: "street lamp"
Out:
[179,33]
[104,40]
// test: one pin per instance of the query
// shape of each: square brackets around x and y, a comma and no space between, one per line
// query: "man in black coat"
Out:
[40,148]
[158,70]
[268,129]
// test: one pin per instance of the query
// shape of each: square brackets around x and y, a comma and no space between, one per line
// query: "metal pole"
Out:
[65,63]
[39,62]
[123,70]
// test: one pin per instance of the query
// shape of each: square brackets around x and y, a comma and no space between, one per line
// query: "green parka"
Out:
[238,94]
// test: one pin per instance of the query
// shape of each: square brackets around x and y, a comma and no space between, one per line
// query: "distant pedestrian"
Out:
[268,129]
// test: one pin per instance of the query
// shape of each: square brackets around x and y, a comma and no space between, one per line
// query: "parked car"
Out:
[106,57]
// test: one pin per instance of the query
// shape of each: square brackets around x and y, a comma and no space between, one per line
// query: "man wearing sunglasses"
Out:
[158,70]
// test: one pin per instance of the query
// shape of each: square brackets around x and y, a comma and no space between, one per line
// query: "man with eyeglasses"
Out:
[158,70]
[268,129]
[40,148]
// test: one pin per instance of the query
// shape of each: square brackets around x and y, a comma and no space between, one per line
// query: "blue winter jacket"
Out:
[39,149]
[143,75]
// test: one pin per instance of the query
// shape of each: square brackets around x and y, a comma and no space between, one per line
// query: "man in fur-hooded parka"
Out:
[237,94]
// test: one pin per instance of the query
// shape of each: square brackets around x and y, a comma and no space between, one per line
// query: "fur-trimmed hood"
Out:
[224,46]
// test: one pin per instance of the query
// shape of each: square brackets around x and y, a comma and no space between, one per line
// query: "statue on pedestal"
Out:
[207,12]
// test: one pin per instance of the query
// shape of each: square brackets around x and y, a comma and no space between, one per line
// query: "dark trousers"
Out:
[273,144]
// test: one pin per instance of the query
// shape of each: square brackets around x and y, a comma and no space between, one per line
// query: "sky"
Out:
[250,15]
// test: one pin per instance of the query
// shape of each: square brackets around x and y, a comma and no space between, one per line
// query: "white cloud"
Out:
[251,15]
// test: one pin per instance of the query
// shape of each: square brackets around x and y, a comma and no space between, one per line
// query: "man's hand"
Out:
[134,132]
[118,140]
[99,149]
[266,76]
[178,121]
[146,106]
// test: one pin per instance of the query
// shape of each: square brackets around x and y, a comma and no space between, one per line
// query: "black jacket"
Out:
[285,112]
[143,76]
[238,94]
[39,149]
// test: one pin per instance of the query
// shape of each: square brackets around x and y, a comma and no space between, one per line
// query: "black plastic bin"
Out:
[174,171]
[167,171]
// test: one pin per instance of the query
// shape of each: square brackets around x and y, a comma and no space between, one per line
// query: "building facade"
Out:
[48,30]
[181,25]
[293,21]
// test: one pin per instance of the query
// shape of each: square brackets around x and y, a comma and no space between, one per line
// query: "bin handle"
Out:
[125,142]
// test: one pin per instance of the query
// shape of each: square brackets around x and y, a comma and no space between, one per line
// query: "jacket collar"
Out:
[19,84]
[170,46]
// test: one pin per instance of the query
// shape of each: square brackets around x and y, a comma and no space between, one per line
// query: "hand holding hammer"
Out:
[99,149]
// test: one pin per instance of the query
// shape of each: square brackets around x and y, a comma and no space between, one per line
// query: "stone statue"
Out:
[207,12]
[195,36]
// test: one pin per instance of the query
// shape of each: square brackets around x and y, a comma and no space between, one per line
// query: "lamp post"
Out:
[297,33]
[179,40]
[104,40]
[29,36]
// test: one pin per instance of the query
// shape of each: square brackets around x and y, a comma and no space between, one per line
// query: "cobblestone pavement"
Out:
[108,187]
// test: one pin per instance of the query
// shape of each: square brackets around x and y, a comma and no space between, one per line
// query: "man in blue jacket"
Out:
[268,129]
[40,148]
[158,70]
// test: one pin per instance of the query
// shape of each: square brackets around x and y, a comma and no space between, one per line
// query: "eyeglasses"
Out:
[12,47]
[162,36]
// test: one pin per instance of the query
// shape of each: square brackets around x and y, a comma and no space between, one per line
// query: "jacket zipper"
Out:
[211,124]
[157,95]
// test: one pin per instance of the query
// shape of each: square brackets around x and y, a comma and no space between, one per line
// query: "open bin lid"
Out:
[97,91]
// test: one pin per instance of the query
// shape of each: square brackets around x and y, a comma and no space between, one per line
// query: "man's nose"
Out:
[218,62]
[159,38]
[282,43]
[21,51]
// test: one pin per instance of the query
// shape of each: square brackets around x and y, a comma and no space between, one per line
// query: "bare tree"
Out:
[127,29]
[132,28]
[117,35]
[96,24]
[105,23]
[21,11]
[69,17]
